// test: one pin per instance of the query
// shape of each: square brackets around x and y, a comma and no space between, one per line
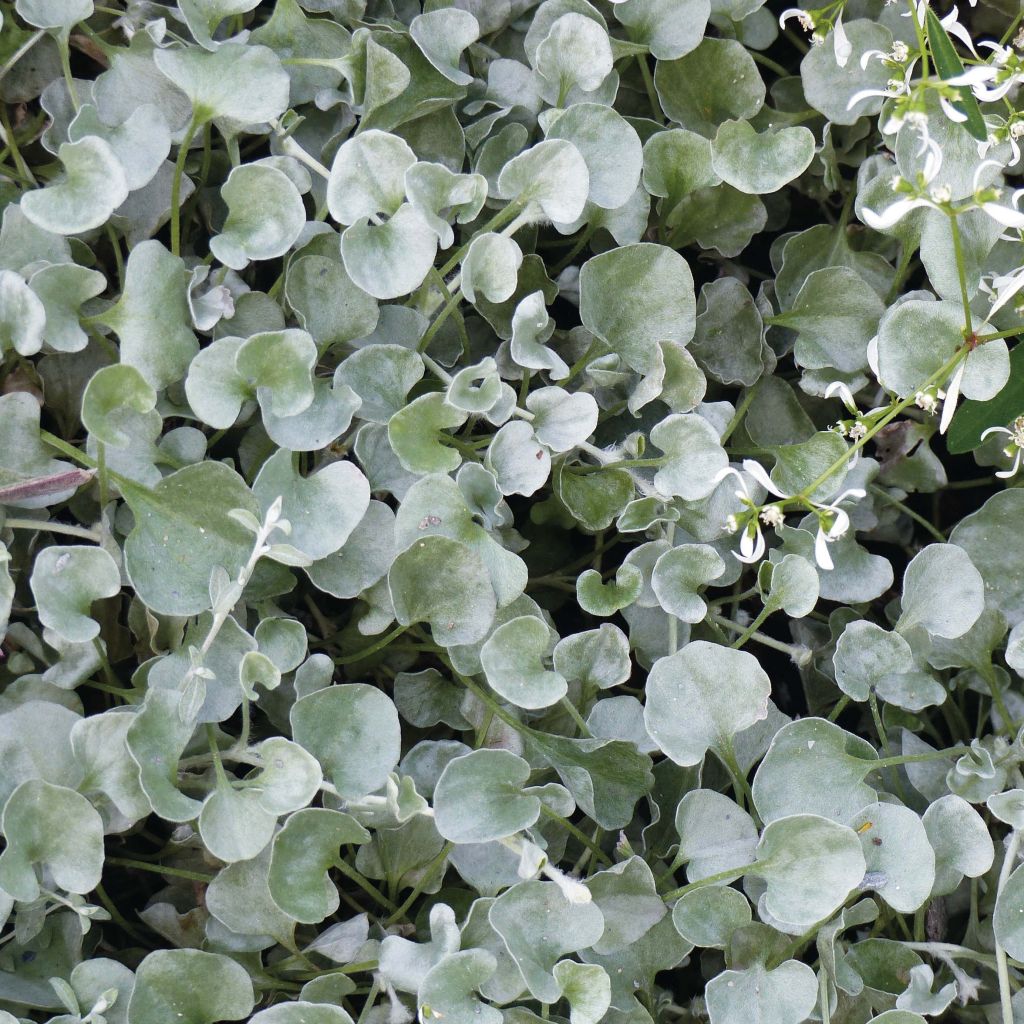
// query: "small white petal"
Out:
[732,471]
[837,387]
[1004,215]
[952,396]
[760,474]
[751,547]
[996,430]
[1005,474]
[821,555]
[893,214]
[841,43]
[954,28]
[951,112]
[864,94]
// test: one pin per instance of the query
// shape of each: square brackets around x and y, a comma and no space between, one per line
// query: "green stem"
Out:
[573,712]
[768,63]
[426,877]
[575,832]
[371,998]
[118,918]
[919,32]
[931,755]
[367,886]
[958,252]
[737,416]
[179,170]
[761,638]
[752,628]
[65,65]
[1002,970]
[21,51]
[739,779]
[379,645]
[1012,333]
[193,876]
[723,876]
[12,145]
[50,527]
[438,321]
[880,492]
[840,707]
[652,92]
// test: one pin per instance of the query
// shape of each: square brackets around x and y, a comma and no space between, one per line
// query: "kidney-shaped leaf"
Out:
[811,865]
[482,796]
[760,162]
[183,531]
[662,304]
[65,581]
[93,186]
[353,731]
[444,583]
[55,828]
[514,662]
[189,986]
[700,697]
[785,995]
[302,852]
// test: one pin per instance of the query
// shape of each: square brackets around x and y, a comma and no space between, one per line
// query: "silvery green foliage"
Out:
[510,511]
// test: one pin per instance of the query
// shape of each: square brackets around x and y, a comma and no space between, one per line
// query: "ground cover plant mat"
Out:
[511,512]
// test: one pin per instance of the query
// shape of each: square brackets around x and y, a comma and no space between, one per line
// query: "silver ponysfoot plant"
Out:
[511,511]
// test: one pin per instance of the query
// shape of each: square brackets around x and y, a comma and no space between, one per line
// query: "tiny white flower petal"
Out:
[751,547]
[1004,215]
[1005,474]
[841,43]
[837,387]
[760,474]
[840,524]
[801,16]
[952,396]
[864,94]
[996,430]
[977,75]
[933,161]
[850,492]
[821,555]
[868,55]
[1005,287]
[732,471]
[954,28]
[951,112]
[893,214]
[872,355]
[980,170]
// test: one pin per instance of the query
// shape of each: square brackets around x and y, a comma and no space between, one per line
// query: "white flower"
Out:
[858,431]
[837,387]
[804,19]
[752,545]
[930,196]
[773,516]
[952,397]
[838,526]
[841,43]
[927,401]
[900,51]
[1015,448]
[1001,288]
